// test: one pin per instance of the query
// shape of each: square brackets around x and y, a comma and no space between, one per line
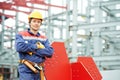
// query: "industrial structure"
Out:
[87,28]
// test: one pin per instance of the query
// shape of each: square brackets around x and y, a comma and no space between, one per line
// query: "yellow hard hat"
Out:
[35,14]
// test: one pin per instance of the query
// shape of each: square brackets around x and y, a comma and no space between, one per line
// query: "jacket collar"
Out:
[38,34]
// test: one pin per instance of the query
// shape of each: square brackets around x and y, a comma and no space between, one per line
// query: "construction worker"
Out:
[33,49]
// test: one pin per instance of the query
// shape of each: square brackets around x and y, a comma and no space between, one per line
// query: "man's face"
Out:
[35,24]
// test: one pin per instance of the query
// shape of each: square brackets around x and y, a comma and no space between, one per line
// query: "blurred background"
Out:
[87,27]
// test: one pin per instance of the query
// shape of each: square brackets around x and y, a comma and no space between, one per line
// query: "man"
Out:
[33,48]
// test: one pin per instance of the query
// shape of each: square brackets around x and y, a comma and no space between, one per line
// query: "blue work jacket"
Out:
[26,42]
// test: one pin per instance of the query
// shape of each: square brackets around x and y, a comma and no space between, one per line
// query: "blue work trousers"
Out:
[29,76]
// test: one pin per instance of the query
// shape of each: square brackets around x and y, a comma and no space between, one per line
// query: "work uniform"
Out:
[25,42]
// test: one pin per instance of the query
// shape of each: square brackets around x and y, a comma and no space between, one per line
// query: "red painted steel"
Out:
[85,69]
[4,5]
[58,67]
[20,2]
[9,6]
[79,72]
[23,3]
[89,64]
[37,1]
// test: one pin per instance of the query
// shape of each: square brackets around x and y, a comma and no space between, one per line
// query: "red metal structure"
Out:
[90,66]
[12,6]
[23,3]
[58,67]
[85,69]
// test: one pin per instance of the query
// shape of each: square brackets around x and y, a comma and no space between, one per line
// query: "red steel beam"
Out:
[20,2]
[4,5]
[37,1]
[23,3]
[7,6]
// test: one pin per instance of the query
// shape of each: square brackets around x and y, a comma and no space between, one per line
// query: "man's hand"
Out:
[40,45]
[30,53]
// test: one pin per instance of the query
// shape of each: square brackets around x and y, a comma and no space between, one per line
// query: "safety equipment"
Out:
[30,65]
[35,14]
[36,68]
[40,45]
